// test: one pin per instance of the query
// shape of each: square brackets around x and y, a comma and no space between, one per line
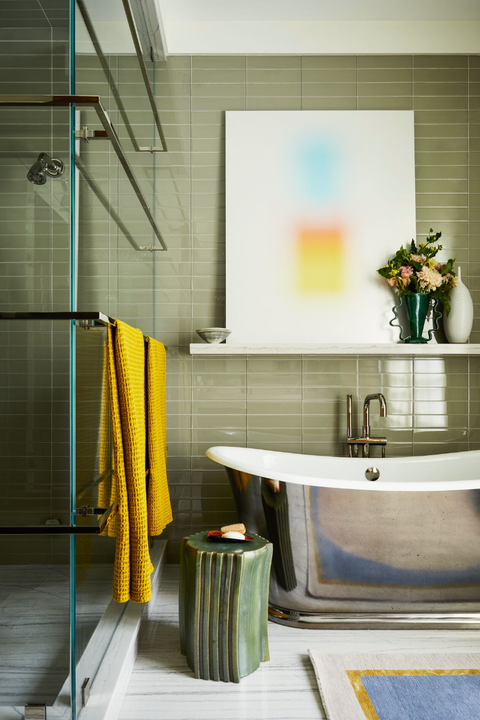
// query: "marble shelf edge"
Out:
[433,350]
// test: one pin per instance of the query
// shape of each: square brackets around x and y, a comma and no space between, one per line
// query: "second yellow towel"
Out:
[159,507]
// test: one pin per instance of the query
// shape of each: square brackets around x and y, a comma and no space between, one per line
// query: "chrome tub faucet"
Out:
[366,439]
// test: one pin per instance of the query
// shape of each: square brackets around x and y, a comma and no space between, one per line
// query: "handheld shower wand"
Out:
[45,165]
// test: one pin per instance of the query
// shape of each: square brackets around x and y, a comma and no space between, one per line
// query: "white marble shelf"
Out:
[428,349]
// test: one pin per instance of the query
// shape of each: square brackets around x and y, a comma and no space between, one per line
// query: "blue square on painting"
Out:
[424,697]
[318,164]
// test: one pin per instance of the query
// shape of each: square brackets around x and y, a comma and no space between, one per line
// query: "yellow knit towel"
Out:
[106,469]
[121,579]
[126,370]
[158,504]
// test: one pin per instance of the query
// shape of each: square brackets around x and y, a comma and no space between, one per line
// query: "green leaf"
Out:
[447,268]
[414,284]
[385,272]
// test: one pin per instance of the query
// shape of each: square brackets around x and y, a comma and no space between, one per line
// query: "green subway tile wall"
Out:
[285,403]
[293,404]
[34,275]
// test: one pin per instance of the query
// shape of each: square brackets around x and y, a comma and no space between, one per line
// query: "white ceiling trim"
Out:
[322,37]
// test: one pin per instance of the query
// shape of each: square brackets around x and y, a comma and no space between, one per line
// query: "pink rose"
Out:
[392,281]
[417,258]
[406,271]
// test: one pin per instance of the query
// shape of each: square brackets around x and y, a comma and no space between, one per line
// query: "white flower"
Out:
[429,279]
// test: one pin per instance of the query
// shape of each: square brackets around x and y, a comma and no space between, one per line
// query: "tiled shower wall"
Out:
[285,403]
[34,275]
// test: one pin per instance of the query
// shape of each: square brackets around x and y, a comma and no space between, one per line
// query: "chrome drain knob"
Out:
[372,473]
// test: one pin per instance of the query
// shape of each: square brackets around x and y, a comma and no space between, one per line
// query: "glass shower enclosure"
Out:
[56,550]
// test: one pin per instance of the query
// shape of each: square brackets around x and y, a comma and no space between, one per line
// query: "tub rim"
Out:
[220,455]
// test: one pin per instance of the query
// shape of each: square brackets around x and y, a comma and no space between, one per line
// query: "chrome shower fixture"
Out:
[44,166]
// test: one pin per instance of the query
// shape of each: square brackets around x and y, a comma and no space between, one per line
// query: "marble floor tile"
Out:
[162,687]
[35,627]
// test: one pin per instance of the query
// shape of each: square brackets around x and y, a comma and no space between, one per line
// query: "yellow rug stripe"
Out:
[158,503]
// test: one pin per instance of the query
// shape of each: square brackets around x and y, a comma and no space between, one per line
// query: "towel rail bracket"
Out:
[87,510]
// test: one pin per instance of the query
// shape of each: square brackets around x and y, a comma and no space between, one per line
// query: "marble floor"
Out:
[162,686]
[35,627]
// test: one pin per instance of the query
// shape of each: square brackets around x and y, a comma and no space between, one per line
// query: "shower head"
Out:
[36,174]
[45,165]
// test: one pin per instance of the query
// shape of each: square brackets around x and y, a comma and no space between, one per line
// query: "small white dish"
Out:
[214,336]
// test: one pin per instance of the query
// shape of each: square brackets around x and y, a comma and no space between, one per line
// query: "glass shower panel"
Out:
[35,209]
[34,498]
[35,228]
[34,627]
[34,233]
[35,415]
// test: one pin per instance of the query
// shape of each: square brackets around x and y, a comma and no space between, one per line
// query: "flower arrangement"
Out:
[414,269]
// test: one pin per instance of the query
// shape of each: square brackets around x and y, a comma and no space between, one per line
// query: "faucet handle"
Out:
[383,405]
[352,451]
[349,416]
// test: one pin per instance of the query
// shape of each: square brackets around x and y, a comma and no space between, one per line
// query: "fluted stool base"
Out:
[224,606]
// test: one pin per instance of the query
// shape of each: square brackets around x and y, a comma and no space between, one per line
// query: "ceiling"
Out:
[263,27]
[318,10]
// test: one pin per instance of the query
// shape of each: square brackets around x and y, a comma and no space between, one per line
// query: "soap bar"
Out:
[237,527]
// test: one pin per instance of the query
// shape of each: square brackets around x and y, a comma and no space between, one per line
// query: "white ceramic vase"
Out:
[458,324]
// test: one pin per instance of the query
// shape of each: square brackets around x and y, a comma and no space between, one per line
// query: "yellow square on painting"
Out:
[320,260]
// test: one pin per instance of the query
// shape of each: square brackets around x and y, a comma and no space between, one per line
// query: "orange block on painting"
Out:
[320,258]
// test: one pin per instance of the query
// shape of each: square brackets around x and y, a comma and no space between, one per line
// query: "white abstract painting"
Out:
[316,202]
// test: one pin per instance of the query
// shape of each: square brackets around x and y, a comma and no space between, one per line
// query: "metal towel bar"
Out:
[108,74]
[64,529]
[80,316]
[83,318]
[95,102]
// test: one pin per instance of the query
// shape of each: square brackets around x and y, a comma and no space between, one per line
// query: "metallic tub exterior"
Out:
[349,558]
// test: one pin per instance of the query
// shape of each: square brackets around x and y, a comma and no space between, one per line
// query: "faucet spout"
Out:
[366,411]
[354,442]
[383,406]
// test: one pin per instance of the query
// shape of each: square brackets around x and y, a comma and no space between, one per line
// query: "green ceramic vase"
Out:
[417,307]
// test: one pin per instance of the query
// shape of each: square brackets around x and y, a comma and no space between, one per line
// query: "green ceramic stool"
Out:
[224,606]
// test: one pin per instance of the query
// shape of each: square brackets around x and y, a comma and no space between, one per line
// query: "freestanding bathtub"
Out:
[401,550]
